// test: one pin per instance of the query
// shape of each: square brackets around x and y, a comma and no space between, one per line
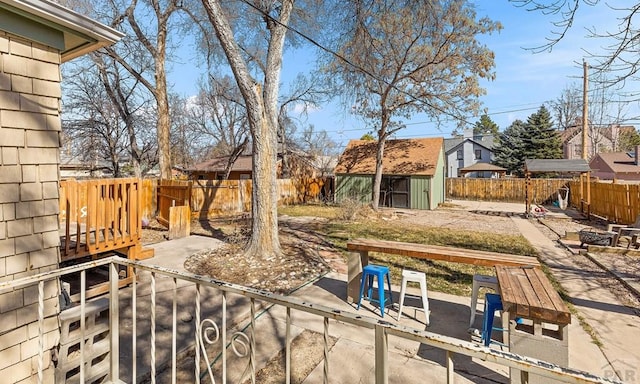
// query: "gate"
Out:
[172,193]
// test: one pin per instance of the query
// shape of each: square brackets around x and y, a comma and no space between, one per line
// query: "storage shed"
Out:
[412,173]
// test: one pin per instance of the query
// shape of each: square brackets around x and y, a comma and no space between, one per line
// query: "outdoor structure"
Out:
[600,139]
[412,173]
[35,38]
[463,152]
[616,165]
[483,169]
[558,167]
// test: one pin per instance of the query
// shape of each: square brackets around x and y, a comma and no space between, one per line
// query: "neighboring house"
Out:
[599,140]
[36,37]
[616,165]
[463,152]
[412,173]
[214,169]
[72,167]
[242,168]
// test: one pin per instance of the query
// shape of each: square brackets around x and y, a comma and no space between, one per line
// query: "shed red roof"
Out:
[401,157]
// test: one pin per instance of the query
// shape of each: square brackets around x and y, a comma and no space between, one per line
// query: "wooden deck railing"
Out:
[98,216]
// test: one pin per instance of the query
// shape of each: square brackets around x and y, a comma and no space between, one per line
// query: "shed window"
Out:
[460,154]
[478,154]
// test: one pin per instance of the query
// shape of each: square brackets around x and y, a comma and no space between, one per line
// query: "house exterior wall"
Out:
[572,148]
[29,171]
[468,150]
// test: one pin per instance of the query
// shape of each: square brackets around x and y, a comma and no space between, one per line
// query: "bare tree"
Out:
[121,98]
[607,111]
[218,115]
[95,132]
[567,108]
[619,58]
[109,119]
[304,93]
[405,57]
[261,101]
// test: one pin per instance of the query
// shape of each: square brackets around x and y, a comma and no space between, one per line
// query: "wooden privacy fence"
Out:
[512,190]
[619,203]
[209,198]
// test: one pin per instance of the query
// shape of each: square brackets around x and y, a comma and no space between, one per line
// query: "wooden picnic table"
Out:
[527,293]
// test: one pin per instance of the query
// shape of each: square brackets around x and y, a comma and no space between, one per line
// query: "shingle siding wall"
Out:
[29,169]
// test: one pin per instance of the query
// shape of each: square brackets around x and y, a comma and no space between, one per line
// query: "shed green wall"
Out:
[357,187]
[420,192]
[438,192]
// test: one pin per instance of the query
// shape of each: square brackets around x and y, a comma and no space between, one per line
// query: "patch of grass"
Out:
[453,278]
[316,210]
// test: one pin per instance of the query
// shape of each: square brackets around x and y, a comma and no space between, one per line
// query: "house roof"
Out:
[53,25]
[219,164]
[606,131]
[477,167]
[401,157]
[487,141]
[556,165]
[619,162]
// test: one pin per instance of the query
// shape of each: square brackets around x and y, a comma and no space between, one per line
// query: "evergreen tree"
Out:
[535,139]
[541,140]
[486,126]
[628,140]
[509,149]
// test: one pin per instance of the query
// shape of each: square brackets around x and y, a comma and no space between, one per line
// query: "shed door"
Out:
[394,192]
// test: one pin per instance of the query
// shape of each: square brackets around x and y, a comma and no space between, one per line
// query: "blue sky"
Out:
[524,79]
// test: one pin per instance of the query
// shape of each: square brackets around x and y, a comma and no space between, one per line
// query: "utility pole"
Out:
[585,108]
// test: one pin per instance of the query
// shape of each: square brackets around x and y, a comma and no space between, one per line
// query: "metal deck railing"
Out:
[166,312]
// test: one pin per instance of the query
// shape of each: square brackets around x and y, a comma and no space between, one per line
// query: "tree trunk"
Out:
[377,180]
[163,127]
[262,116]
[382,138]
[264,240]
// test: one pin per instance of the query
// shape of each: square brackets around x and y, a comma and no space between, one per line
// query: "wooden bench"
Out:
[423,251]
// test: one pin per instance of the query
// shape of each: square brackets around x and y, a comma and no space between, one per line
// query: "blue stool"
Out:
[368,273]
[492,303]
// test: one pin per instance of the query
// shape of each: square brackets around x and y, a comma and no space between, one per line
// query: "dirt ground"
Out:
[306,254]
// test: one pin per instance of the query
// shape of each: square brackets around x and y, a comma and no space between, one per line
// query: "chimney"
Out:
[636,155]
[468,133]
